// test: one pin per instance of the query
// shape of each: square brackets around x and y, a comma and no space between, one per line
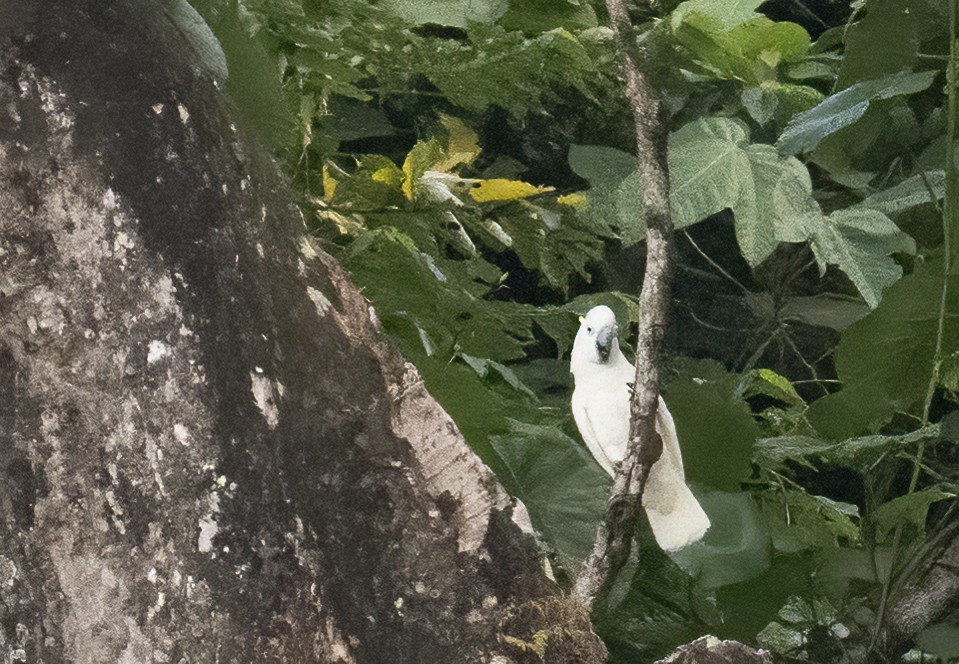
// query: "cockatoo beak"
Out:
[605,339]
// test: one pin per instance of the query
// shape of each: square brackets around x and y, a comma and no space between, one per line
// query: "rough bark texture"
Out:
[926,595]
[207,451]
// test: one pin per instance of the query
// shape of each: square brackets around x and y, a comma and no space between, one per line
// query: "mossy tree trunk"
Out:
[208,451]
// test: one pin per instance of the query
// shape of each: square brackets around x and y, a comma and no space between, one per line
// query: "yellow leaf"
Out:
[462,146]
[329,184]
[504,190]
[572,200]
[388,175]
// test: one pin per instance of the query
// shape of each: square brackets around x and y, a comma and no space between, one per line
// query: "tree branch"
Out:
[613,547]
[926,594]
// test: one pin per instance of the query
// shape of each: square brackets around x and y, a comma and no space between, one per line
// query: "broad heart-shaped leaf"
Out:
[919,189]
[715,427]
[562,487]
[660,607]
[713,166]
[614,201]
[804,131]
[940,639]
[859,242]
[885,361]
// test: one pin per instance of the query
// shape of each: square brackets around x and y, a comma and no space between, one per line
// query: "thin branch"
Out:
[716,266]
[613,549]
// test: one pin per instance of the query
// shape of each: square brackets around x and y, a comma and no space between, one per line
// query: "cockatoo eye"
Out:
[589,329]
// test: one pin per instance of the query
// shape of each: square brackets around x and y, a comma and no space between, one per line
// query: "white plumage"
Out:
[601,409]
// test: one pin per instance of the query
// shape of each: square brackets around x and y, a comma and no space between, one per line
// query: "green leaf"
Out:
[484,366]
[554,245]
[750,52]
[728,13]
[885,361]
[713,166]
[534,16]
[454,13]
[507,69]
[886,40]
[940,640]
[859,454]
[563,489]
[351,119]
[715,427]
[768,383]
[614,200]
[444,295]
[736,546]
[660,607]
[799,521]
[910,509]
[919,189]
[775,102]
[859,242]
[806,130]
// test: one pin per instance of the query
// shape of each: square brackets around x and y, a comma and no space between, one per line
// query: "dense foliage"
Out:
[468,161]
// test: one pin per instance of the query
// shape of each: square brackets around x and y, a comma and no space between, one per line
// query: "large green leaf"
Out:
[886,39]
[777,103]
[859,242]
[749,52]
[886,360]
[661,607]
[715,427]
[839,110]
[615,204]
[713,166]
[562,487]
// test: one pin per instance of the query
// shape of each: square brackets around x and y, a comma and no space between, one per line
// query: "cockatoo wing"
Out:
[588,432]
[676,517]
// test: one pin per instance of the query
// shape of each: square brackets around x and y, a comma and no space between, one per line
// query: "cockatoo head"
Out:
[597,338]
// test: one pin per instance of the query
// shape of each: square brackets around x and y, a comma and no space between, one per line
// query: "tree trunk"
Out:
[208,450]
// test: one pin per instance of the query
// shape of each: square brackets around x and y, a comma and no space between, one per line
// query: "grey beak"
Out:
[605,339]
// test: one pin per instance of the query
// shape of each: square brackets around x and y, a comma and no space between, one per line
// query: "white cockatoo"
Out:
[601,408]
